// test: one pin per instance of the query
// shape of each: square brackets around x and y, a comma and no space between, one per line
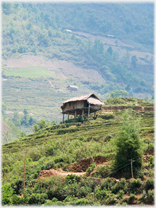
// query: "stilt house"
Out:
[82,105]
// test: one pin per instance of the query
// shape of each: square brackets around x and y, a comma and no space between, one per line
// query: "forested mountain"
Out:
[100,47]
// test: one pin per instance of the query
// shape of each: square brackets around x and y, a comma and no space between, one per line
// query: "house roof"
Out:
[94,101]
[91,98]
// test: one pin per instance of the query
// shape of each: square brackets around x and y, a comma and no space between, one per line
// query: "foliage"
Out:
[7,191]
[4,107]
[136,186]
[149,184]
[90,168]
[47,149]
[103,171]
[120,185]
[119,93]
[134,61]
[128,144]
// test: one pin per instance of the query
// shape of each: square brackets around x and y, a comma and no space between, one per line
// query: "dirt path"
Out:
[53,172]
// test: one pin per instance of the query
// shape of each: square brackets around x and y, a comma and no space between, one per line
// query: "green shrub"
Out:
[107,183]
[34,154]
[100,194]
[82,202]
[150,196]
[147,197]
[149,184]
[58,159]
[120,185]
[152,160]
[71,178]
[136,186]
[103,171]
[7,192]
[110,199]
[131,198]
[83,191]
[128,144]
[150,148]
[69,198]
[16,200]
[106,116]
[50,164]
[37,198]
[54,200]
[17,186]
[90,168]
[121,193]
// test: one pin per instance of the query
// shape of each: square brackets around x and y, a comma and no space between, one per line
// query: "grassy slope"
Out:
[33,29]
[61,145]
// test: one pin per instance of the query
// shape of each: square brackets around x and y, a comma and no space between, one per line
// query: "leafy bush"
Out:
[151,148]
[50,164]
[106,116]
[37,198]
[50,151]
[100,194]
[82,202]
[90,168]
[17,186]
[128,144]
[111,199]
[7,192]
[149,184]
[136,186]
[34,154]
[83,191]
[120,194]
[131,198]
[107,183]
[16,200]
[69,198]
[147,197]
[120,185]
[102,171]
[152,160]
[72,178]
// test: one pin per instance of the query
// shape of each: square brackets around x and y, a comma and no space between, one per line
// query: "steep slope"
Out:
[75,144]
[97,47]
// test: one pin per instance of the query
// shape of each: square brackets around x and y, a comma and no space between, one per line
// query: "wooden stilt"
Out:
[89,110]
[82,113]
[75,115]
[68,116]
[63,117]
[95,114]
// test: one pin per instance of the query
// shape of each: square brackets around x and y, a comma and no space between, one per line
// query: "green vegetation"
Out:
[100,37]
[28,72]
[129,144]
[60,145]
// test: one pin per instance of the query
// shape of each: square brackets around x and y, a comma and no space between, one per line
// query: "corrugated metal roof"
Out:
[94,101]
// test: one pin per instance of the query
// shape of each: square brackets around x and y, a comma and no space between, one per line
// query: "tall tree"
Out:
[129,145]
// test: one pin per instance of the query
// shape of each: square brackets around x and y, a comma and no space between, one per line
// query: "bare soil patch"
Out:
[58,68]
[82,165]
[53,172]
[4,128]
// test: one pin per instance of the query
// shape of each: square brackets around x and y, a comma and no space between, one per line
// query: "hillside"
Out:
[97,47]
[86,149]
